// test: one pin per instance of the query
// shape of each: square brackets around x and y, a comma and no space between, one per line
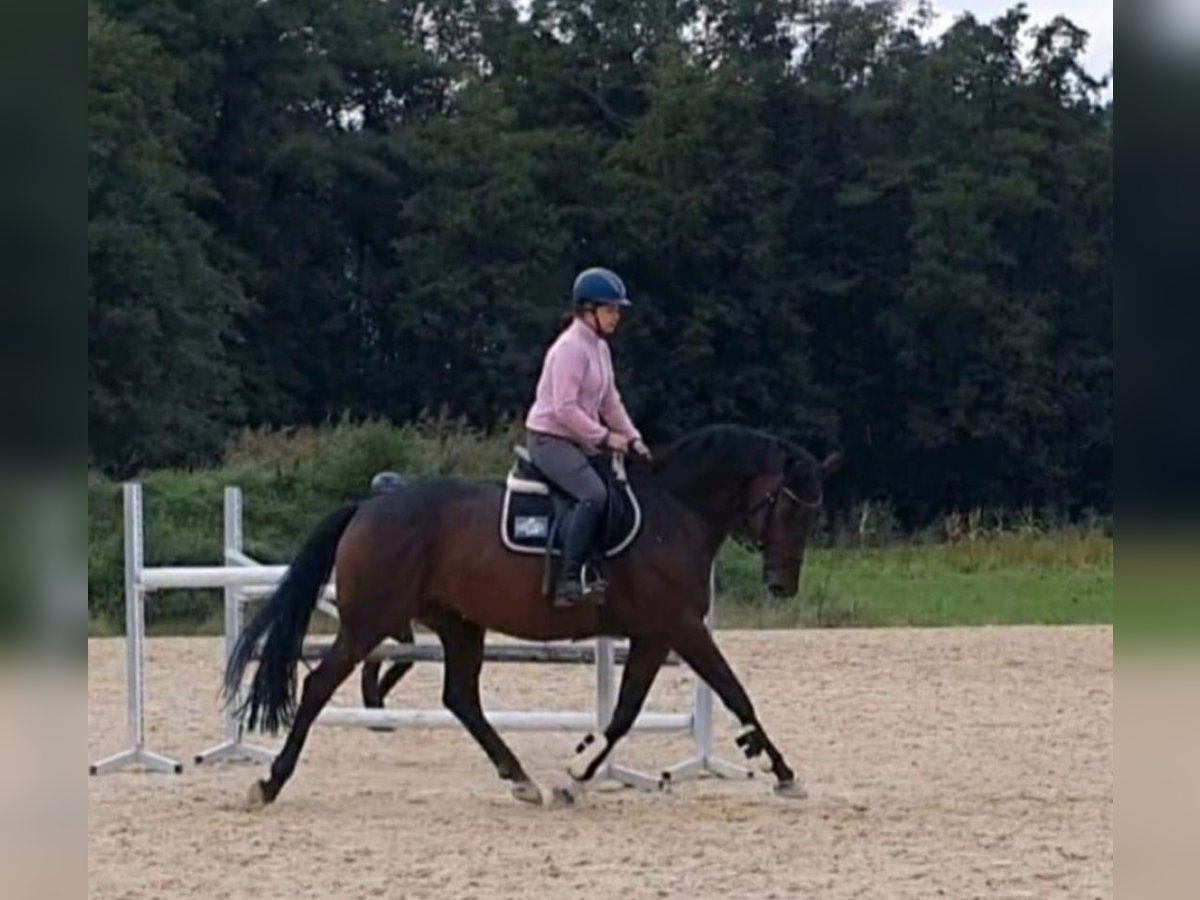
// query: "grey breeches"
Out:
[567,466]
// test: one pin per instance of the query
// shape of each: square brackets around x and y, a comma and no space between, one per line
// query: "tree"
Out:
[161,389]
[832,226]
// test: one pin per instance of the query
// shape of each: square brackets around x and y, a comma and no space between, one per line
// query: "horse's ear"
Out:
[831,464]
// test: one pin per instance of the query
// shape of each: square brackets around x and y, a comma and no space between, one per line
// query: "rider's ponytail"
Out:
[564,321]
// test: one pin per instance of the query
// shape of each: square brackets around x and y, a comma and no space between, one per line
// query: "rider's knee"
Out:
[595,495]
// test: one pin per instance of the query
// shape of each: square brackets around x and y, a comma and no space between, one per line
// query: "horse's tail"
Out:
[284,621]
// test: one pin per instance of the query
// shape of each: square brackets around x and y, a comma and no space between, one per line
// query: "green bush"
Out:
[289,481]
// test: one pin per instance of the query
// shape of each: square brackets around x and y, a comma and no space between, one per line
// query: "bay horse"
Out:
[430,552]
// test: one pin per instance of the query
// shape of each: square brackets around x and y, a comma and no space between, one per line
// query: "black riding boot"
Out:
[580,530]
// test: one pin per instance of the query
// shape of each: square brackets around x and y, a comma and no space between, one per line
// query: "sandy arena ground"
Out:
[955,763]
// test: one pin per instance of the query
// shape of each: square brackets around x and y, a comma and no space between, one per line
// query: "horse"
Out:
[430,552]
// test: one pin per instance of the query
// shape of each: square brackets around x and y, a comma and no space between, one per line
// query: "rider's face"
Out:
[608,317]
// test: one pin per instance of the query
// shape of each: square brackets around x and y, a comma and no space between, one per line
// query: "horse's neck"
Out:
[712,493]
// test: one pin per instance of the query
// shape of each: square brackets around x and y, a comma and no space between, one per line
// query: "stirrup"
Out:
[569,592]
[595,590]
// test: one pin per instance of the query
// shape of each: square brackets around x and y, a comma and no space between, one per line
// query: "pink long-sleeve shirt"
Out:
[577,395]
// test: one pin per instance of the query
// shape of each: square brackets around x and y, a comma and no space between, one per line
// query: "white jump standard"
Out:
[135,637]
[233,747]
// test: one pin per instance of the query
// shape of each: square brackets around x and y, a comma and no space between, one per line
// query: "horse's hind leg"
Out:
[337,664]
[397,669]
[463,643]
[695,644]
[374,688]
[372,696]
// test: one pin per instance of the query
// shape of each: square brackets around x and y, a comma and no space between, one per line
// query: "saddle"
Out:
[533,507]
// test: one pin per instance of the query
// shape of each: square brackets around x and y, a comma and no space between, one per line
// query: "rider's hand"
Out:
[617,442]
[640,449]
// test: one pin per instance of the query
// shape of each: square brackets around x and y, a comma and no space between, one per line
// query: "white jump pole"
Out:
[135,638]
[501,720]
[233,748]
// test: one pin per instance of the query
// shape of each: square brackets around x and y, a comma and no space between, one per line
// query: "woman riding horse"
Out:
[576,411]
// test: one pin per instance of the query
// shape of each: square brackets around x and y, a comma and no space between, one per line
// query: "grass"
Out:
[101,628]
[1055,578]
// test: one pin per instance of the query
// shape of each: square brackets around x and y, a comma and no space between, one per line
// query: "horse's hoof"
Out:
[790,790]
[562,796]
[257,797]
[527,792]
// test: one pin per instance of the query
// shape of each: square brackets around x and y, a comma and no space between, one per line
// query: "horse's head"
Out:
[782,509]
[763,490]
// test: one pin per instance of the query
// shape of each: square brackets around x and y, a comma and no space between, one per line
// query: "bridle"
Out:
[770,501]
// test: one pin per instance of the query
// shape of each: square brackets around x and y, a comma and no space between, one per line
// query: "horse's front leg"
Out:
[695,644]
[646,656]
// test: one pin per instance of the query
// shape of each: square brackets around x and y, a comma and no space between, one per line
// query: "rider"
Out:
[577,412]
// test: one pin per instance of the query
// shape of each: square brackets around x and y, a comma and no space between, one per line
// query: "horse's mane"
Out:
[738,450]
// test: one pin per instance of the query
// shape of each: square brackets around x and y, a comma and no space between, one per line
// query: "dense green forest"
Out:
[834,226]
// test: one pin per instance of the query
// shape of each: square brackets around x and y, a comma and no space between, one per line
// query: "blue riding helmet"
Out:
[600,286]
